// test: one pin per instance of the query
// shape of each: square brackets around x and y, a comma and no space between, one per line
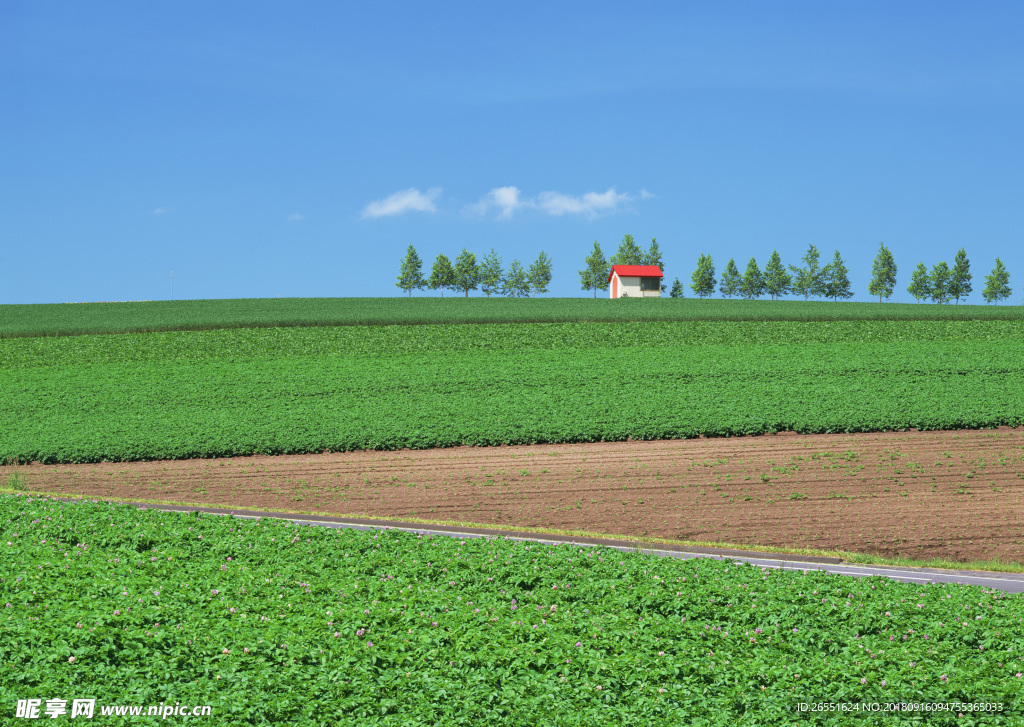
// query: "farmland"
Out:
[277,391]
[629,424]
[65,319]
[273,623]
[865,497]
[239,392]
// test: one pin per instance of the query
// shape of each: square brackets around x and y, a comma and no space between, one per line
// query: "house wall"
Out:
[630,286]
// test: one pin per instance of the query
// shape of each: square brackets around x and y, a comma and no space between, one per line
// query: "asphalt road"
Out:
[1008,582]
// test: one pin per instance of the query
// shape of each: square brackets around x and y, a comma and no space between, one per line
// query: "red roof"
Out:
[635,271]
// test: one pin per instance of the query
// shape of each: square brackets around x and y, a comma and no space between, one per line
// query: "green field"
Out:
[292,390]
[65,319]
[272,623]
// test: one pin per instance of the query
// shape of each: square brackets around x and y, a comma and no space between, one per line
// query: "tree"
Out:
[752,283]
[442,274]
[702,280]
[467,272]
[883,274]
[410,275]
[731,280]
[836,278]
[776,281]
[808,281]
[653,257]
[920,284]
[595,275]
[997,284]
[960,283]
[490,273]
[629,253]
[939,279]
[516,283]
[539,274]
[677,289]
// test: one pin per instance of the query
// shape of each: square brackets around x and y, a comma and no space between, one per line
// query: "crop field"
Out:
[940,497]
[272,623]
[231,393]
[273,391]
[64,319]
[174,409]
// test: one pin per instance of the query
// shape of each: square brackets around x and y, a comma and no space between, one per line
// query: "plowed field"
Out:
[957,495]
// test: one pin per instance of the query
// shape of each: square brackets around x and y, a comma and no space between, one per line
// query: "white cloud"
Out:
[509,199]
[504,198]
[408,200]
[295,217]
[591,203]
[161,210]
[644,194]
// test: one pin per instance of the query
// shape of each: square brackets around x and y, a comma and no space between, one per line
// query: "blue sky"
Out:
[297,149]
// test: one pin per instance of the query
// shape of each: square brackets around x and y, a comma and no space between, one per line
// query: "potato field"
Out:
[272,623]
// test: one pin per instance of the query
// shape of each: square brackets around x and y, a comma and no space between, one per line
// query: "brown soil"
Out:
[955,495]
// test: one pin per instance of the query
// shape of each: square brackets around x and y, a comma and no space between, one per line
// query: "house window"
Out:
[650,283]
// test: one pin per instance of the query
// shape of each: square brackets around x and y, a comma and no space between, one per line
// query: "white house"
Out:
[635,281]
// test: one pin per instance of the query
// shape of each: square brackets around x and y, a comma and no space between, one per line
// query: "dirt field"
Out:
[955,495]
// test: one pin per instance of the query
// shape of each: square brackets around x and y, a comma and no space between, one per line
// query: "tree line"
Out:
[812,279]
[831,281]
[467,274]
[944,283]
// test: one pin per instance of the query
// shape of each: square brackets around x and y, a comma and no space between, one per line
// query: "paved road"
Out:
[1008,582]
